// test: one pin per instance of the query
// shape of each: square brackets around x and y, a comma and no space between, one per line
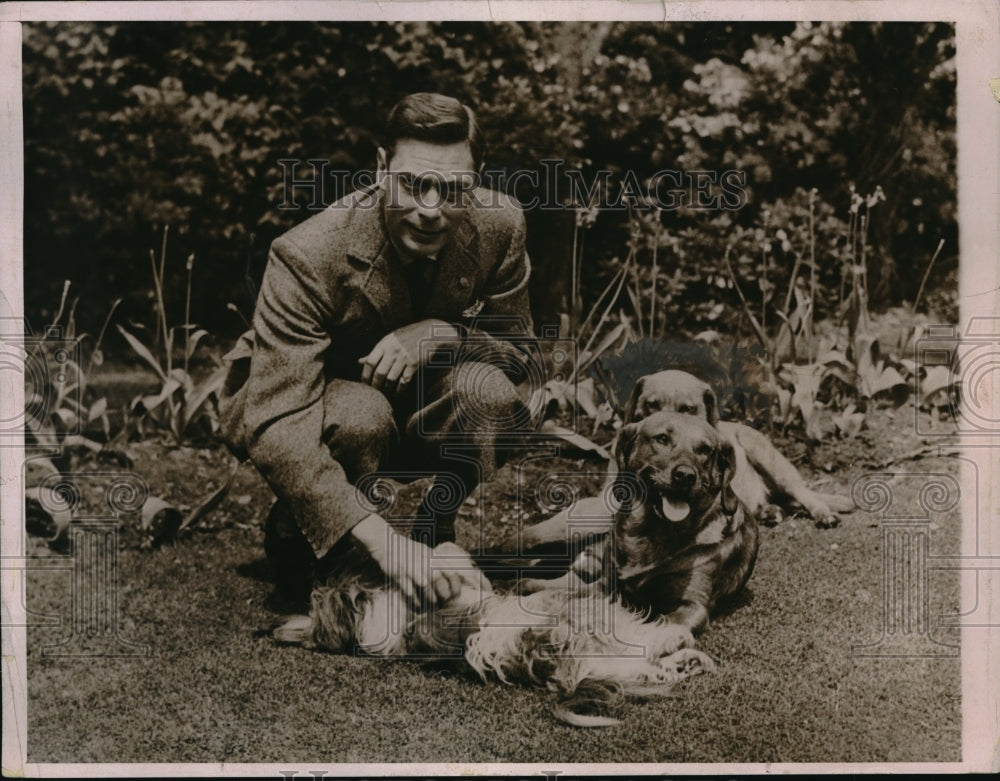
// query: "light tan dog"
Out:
[764,478]
[682,539]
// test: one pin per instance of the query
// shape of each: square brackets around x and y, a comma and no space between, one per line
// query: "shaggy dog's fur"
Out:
[587,648]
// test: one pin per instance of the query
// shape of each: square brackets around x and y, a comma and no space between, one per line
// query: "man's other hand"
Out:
[390,366]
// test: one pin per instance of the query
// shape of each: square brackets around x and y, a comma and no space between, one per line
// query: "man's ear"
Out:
[382,166]
[628,416]
[711,407]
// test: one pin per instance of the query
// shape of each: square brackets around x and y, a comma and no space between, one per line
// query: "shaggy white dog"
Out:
[587,648]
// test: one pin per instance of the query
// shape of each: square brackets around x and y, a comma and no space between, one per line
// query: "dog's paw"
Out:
[687,662]
[525,586]
[297,630]
[670,639]
[451,550]
[824,519]
[770,515]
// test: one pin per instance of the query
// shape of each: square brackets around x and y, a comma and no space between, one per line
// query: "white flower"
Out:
[474,309]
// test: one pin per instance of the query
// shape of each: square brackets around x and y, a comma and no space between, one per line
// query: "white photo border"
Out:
[978,125]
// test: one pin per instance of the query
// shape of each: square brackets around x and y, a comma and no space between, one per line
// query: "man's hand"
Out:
[408,563]
[390,366]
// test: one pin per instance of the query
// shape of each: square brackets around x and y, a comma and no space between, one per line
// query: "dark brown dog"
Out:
[764,478]
[682,539]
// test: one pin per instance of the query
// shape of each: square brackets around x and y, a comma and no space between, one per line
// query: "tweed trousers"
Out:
[457,423]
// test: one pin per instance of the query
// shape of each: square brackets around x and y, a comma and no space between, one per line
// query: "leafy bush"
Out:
[186,124]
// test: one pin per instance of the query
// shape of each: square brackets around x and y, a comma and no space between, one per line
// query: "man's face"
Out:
[425,186]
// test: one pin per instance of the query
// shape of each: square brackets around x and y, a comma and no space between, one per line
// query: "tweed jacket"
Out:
[332,288]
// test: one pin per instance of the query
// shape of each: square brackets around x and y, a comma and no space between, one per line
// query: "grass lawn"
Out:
[213,687]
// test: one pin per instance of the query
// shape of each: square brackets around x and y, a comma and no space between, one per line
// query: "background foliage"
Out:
[131,127]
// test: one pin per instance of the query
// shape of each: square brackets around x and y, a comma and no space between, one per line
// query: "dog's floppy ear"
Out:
[624,444]
[711,407]
[725,462]
[628,416]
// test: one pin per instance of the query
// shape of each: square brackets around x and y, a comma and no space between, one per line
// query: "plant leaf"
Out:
[66,417]
[819,426]
[585,397]
[160,518]
[184,380]
[938,379]
[37,469]
[605,414]
[75,440]
[150,402]
[143,352]
[213,384]
[44,516]
[849,423]
[887,381]
[847,377]
[805,382]
[835,358]
[555,391]
[73,377]
[97,409]
[605,343]
[212,501]
[868,356]
[578,441]
[784,403]
[891,383]
[192,341]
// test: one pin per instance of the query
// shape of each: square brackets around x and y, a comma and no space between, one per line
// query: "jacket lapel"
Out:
[383,284]
[455,275]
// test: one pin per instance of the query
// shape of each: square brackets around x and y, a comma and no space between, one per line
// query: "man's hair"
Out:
[435,119]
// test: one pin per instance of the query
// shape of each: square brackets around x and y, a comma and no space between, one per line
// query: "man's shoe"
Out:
[293,563]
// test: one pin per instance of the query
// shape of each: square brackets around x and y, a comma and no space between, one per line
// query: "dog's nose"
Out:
[683,476]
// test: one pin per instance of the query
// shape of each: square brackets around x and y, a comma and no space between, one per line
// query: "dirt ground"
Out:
[179,667]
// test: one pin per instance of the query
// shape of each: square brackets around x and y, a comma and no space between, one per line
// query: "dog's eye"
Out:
[663,439]
[687,409]
[703,450]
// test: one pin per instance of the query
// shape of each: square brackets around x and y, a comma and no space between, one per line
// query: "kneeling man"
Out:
[391,333]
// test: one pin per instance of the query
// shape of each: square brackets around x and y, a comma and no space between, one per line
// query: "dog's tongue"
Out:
[675,511]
